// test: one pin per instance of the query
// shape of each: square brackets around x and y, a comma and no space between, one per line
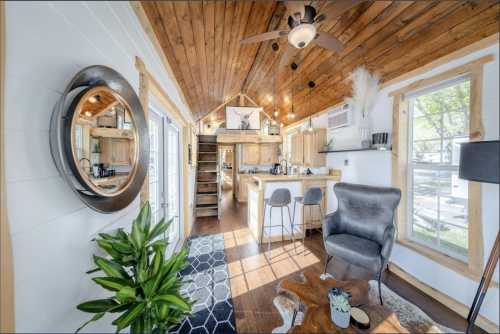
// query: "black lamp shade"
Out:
[479,161]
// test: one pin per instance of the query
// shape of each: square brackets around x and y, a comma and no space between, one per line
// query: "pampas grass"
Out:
[365,89]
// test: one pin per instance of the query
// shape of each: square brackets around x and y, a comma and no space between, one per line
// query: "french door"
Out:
[164,174]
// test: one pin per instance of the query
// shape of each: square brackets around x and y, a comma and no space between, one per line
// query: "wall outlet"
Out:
[346,162]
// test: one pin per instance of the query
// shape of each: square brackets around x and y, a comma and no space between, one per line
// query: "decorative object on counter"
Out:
[145,286]
[340,310]
[360,318]
[81,128]
[309,172]
[329,145]
[365,90]
[380,140]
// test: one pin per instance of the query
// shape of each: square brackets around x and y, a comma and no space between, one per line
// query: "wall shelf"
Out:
[357,150]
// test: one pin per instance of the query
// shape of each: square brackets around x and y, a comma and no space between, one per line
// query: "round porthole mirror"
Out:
[99,139]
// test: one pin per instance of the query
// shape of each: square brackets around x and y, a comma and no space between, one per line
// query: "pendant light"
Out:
[293,67]
[275,114]
[311,85]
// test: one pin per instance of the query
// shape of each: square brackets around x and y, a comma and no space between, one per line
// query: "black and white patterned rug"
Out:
[209,287]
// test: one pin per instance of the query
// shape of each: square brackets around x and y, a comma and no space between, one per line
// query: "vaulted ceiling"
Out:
[201,40]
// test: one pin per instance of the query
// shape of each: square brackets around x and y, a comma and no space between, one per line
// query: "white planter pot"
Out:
[341,319]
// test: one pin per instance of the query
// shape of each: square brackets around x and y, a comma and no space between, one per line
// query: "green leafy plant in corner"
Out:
[144,284]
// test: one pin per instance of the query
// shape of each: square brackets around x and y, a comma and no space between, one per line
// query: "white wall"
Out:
[47,43]
[374,168]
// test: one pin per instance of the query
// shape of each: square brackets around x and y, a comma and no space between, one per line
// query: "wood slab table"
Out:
[311,295]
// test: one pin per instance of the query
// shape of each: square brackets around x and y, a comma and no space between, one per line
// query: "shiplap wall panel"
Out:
[47,43]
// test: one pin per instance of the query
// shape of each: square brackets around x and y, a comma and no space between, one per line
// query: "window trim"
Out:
[400,134]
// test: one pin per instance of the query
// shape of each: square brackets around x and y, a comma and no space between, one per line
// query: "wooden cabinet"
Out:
[250,154]
[259,154]
[243,181]
[314,141]
[312,214]
[268,154]
[297,154]
[116,151]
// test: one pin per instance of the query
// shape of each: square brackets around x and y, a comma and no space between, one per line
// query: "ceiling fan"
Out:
[303,22]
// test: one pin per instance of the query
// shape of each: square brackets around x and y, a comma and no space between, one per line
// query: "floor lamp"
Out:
[479,162]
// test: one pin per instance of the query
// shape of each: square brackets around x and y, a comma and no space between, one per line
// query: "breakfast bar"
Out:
[262,188]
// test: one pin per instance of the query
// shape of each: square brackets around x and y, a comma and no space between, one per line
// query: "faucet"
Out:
[90,164]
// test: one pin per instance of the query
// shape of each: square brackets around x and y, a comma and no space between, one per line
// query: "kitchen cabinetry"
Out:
[305,148]
[268,154]
[314,141]
[242,189]
[250,154]
[259,154]
[297,154]
[116,151]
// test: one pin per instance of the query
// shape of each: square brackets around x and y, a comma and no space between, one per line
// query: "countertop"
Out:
[287,178]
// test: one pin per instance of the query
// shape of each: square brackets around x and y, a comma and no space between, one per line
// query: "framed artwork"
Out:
[243,118]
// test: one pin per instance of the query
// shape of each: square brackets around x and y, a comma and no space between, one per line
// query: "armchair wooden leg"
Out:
[328,258]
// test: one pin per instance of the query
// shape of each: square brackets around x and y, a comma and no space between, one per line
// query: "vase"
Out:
[341,319]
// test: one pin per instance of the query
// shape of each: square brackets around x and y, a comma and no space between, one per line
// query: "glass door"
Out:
[156,167]
[173,159]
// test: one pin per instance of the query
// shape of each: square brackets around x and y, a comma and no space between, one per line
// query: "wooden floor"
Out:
[254,277]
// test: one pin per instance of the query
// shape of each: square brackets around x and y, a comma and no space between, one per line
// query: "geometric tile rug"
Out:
[207,282]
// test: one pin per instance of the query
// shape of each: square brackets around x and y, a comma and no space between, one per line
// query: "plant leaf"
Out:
[137,326]
[173,301]
[120,308]
[144,218]
[97,305]
[94,318]
[111,283]
[122,247]
[106,236]
[126,318]
[108,247]
[111,268]
[92,270]
[126,294]
[137,236]
[159,228]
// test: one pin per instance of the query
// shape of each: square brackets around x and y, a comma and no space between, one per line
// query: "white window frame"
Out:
[437,167]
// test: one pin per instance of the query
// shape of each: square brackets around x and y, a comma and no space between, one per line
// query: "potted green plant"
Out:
[340,310]
[145,286]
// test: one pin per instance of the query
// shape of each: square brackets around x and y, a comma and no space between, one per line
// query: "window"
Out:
[437,198]
[439,215]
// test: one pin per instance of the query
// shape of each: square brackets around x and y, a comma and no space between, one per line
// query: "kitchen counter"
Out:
[263,186]
[289,178]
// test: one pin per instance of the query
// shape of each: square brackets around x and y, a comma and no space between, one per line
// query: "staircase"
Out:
[207,186]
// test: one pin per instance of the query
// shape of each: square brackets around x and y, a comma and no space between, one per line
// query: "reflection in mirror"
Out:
[104,141]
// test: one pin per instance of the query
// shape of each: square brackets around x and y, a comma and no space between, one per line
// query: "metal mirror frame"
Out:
[60,135]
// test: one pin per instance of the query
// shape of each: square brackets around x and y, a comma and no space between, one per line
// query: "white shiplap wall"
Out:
[47,43]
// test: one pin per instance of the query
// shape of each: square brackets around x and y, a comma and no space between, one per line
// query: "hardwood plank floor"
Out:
[254,277]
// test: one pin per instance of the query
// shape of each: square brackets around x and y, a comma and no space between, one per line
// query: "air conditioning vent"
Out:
[339,117]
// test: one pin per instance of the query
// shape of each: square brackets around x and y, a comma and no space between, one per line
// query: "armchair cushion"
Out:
[358,251]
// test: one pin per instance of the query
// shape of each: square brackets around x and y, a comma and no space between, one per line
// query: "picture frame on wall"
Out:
[243,118]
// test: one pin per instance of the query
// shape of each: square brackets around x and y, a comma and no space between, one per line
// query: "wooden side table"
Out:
[312,295]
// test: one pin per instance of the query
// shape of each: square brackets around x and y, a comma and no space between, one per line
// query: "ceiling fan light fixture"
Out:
[302,35]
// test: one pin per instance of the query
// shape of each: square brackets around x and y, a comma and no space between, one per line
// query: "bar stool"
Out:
[280,198]
[312,197]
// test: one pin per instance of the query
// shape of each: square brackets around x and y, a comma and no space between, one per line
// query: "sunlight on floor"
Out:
[258,270]
[237,238]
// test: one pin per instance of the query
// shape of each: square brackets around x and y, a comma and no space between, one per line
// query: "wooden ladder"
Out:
[207,177]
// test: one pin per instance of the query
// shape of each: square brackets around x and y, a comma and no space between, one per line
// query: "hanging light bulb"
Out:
[282,125]
[276,113]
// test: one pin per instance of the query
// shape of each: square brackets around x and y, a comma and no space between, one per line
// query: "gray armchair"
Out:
[362,229]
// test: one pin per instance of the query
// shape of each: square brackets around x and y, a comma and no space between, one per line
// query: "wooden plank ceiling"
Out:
[201,42]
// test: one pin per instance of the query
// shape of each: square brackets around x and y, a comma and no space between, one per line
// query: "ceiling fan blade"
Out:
[295,8]
[289,53]
[264,36]
[335,9]
[327,41]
